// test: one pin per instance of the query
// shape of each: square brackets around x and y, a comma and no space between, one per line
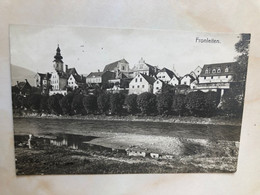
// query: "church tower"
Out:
[57,62]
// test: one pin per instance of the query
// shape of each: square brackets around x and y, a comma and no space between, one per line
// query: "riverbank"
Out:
[163,119]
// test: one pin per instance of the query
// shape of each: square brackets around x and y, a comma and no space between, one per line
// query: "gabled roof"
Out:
[113,65]
[221,66]
[22,85]
[44,76]
[149,79]
[95,74]
[79,79]
[72,71]
[188,75]
[169,72]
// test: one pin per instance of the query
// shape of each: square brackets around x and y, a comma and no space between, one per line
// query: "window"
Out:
[226,70]
[70,78]
[212,77]
[185,83]
[157,87]
[218,71]
[143,86]
[140,79]
[136,80]
[163,76]
[227,76]
[138,86]
[214,71]
[204,78]
[133,86]
[157,82]
[123,68]
[206,71]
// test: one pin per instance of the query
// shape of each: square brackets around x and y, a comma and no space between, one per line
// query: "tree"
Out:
[242,47]
[164,103]
[33,101]
[211,102]
[178,104]
[44,104]
[116,103]
[195,103]
[147,103]
[77,104]
[66,102]
[103,102]
[90,104]
[131,103]
[54,103]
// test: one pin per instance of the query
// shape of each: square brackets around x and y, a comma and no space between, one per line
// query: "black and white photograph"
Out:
[90,100]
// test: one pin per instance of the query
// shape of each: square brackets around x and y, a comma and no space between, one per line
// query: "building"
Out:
[174,81]
[165,75]
[187,79]
[100,77]
[43,82]
[216,77]
[157,86]
[196,72]
[23,88]
[141,83]
[75,81]
[120,66]
[144,68]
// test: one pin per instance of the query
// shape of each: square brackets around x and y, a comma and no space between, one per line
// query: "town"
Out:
[118,78]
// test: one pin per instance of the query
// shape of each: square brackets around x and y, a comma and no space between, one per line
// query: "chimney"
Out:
[66,68]
[17,82]
[26,80]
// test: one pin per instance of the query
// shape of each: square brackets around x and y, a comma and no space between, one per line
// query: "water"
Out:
[26,126]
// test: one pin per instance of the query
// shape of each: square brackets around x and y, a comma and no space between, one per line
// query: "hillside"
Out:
[20,74]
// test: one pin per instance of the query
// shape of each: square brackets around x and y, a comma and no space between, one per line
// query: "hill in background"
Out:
[20,74]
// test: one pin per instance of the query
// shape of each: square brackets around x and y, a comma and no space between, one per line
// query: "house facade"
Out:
[215,77]
[187,79]
[157,86]
[140,84]
[165,75]
[75,81]
[100,77]
[143,68]
[120,66]
[174,81]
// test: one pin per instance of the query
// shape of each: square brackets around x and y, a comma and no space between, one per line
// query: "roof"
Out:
[22,85]
[113,65]
[188,75]
[72,71]
[44,76]
[80,79]
[219,66]
[149,79]
[95,74]
[169,72]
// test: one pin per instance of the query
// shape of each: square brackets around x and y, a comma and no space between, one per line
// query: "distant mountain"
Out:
[20,74]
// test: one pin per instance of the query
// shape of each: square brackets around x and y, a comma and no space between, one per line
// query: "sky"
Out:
[89,49]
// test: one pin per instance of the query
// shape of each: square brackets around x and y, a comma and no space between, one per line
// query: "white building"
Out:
[187,79]
[140,84]
[157,86]
[165,75]
[74,81]
[174,81]
[196,72]
[144,68]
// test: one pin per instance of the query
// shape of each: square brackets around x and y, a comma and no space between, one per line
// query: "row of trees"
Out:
[195,104]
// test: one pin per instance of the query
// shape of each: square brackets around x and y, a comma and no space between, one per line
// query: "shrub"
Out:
[90,104]
[44,104]
[66,102]
[77,104]
[211,103]
[34,101]
[116,103]
[179,105]
[164,103]
[147,103]
[103,102]
[131,103]
[54,103]
[196,104]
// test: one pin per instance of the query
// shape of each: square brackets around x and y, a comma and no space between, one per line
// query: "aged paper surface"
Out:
[191,16]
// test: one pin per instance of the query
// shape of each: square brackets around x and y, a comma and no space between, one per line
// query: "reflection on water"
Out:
[71,140]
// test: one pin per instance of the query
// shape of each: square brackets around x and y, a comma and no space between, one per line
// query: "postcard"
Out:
[122,101]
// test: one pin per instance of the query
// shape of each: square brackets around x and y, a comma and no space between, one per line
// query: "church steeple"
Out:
[58,57]
[57,62]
